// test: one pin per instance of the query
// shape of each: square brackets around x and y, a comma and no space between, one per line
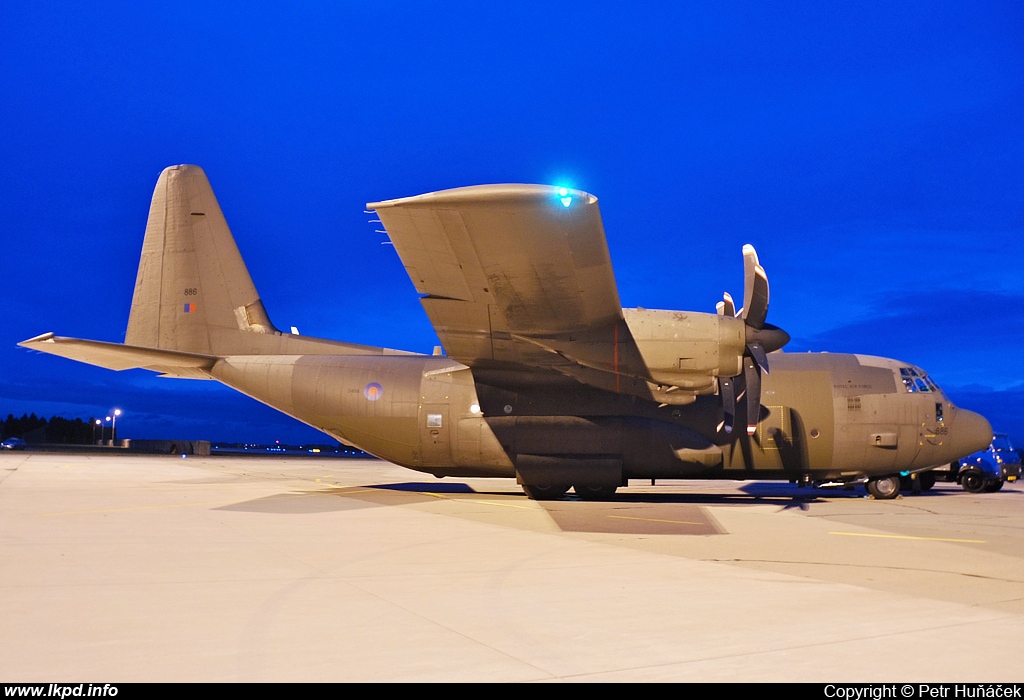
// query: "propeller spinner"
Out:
[761,339]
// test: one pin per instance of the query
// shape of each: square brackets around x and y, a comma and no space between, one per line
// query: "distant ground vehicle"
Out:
[13,444]
[987,470]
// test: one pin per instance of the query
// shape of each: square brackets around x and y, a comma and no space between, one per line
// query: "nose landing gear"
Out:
[885,487]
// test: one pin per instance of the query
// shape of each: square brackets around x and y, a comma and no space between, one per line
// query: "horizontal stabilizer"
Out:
[116,356]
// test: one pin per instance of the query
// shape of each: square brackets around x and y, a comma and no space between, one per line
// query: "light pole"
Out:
[97,424]
[113,428]
[102,436]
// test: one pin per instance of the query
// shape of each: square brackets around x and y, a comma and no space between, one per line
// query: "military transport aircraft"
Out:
[545,377]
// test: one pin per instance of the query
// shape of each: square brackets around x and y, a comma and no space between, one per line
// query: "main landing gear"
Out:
[545,492]
[595,493]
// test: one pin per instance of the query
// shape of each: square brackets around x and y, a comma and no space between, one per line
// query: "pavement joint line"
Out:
[177,505]
[476,639]
[779,649]
[907,537]
[656,520]
[130,508]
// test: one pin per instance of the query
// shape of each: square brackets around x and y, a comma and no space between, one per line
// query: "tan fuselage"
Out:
[823,416]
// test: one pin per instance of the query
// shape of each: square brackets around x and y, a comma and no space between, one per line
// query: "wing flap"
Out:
[464,327]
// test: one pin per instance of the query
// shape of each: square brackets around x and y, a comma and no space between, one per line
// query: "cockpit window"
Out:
[917,381]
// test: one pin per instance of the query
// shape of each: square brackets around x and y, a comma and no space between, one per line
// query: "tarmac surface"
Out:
[135,568]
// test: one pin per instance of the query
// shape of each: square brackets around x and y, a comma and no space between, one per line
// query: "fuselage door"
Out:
[434,435]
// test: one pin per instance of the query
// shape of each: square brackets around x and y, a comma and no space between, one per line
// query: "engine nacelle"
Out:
[688,349]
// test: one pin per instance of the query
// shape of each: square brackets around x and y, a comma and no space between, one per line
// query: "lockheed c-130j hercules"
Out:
[545,378]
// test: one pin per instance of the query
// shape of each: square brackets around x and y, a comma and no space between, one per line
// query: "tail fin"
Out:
[193,292]
[194,300]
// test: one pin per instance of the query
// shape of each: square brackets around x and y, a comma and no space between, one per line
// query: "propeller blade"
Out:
[755,289]
[726,307]
[761,338]
[752,377]
[760,356]
[727,390]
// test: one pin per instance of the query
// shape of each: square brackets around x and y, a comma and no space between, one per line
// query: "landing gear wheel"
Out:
[884,488]
[595,493]
[545,492]
[926,479]
[973,482]
[993,486]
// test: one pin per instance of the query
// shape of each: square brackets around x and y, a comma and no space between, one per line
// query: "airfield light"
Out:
[564,196]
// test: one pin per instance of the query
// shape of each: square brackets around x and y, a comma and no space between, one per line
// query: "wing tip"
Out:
[43,338]
[489,194]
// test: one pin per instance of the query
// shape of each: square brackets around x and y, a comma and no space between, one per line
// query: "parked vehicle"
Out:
[13,444]
[985,471]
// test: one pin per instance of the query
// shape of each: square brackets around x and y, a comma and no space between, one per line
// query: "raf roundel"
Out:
[373,391]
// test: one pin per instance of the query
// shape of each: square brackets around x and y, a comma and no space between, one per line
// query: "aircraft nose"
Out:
[970,433]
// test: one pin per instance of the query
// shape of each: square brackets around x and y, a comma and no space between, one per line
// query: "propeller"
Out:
[761,339]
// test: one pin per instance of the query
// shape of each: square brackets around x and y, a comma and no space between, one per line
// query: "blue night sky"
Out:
[872,152]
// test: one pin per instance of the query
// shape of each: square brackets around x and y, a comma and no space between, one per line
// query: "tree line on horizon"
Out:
[57,429]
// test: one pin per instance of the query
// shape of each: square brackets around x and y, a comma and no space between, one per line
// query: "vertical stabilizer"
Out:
[193,292]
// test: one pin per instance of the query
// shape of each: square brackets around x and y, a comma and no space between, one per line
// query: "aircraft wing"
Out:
[518,276]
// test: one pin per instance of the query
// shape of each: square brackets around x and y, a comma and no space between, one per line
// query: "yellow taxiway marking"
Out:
[907,537]
[505,505]
[656,520]
[447,497]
